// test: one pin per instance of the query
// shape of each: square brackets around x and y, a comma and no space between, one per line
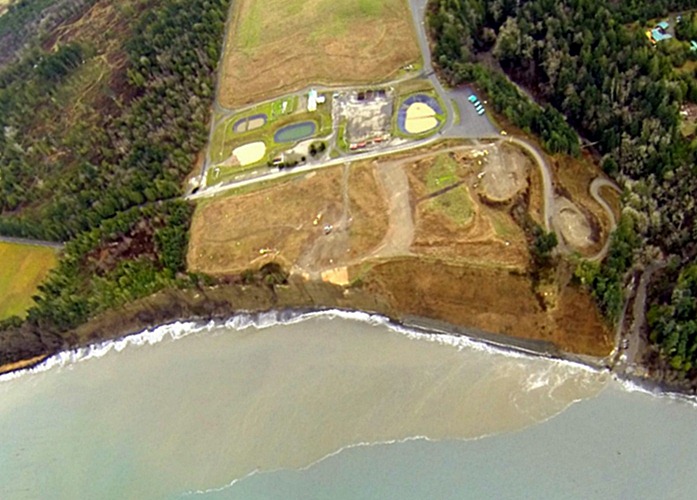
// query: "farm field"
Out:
[23,269]
[279,46]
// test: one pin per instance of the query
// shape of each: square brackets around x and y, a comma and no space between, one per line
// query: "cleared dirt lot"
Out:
[505,173]
[408,232]
[310,224]
[278,46]
[573,225]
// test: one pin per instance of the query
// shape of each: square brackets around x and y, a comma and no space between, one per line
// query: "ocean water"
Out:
[332,406]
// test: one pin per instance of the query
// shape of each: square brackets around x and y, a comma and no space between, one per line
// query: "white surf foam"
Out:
[261,321]
[634,386]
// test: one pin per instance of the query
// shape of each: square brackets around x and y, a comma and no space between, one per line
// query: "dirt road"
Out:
[595,194]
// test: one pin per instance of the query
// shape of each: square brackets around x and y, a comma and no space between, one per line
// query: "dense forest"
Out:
[591,62]
[101,165]
[27,20]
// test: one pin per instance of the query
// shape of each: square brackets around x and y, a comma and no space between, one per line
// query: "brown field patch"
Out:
[310,224]
[505,173]
[279,46]
[368,209]
[493,300]
[573,225]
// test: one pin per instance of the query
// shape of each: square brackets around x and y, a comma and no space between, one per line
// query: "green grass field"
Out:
[456,203]
[23,268]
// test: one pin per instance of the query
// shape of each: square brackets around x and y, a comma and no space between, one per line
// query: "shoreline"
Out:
[417,328]
[227,303]
[412,327]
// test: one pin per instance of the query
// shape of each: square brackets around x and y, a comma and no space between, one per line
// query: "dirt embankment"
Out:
[401,289]
[493,300]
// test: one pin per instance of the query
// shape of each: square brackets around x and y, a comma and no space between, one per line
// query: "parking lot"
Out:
[471,124]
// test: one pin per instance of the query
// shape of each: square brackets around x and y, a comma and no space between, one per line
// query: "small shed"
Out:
[312,100]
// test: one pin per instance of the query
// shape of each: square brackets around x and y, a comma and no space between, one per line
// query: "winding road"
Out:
[595,187]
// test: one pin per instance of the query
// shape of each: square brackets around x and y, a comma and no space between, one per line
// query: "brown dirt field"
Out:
[505,173]
[368,209]
[579,322]
[273,224]
[573,224]
[279,46]
[476,242]
[285,223]
[493,300]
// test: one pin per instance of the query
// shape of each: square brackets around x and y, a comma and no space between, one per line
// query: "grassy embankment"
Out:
[455,200]
[23,269]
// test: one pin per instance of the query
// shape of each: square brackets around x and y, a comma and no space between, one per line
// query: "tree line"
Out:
[139,154]
[109,186]
[591,62]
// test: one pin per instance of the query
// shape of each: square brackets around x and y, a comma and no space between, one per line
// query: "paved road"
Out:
[418,12]
[36,243]
[279,174]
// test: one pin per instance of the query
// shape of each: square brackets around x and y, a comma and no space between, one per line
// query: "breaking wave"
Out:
[260,321]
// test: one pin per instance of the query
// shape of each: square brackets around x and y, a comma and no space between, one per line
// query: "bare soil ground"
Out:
[493,300]
[310,224]
[572,224]
[279,46]
[505,173]
[391,229]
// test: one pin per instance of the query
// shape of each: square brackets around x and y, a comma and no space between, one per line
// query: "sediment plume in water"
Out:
[191,407]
